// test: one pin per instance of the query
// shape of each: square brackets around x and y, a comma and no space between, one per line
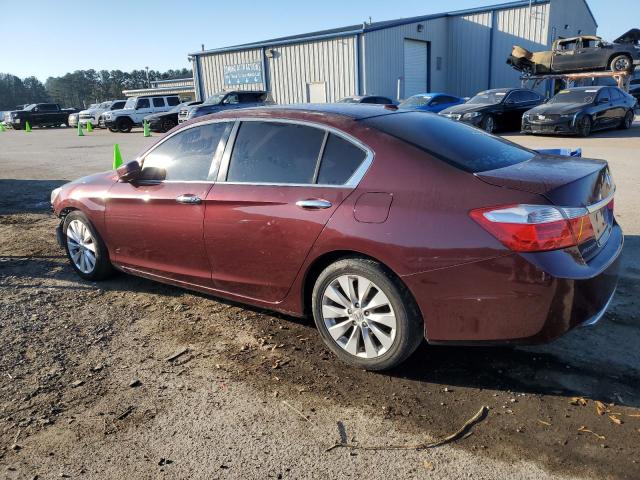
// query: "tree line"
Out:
[78,89]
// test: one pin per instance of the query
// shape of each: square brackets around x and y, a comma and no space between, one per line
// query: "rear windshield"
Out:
[460,145]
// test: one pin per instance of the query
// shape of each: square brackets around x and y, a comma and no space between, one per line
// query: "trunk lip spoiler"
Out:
[594,207]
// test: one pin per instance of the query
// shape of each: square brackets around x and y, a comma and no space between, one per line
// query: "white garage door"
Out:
[415,67]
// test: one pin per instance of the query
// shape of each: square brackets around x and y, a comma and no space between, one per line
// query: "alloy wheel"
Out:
[489,124]
[359,317]
[82,246]
[622,64]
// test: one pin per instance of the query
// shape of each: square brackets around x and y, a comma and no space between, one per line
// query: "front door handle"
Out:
[313,204]
[189,199]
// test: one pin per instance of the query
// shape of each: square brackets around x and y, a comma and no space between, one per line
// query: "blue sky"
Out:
[49,38]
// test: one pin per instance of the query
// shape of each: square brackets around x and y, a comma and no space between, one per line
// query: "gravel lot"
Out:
[87,389]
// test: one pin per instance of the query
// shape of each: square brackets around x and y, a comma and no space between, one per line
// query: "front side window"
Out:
[231,99]
[340,160]
[143,103]
[117,105]
[272,152]
[158,102]
[187,155]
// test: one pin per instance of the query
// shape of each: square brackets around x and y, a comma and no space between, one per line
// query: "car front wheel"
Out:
[584,126]
[488,124]
[365,315]
[84,247]
[124,125]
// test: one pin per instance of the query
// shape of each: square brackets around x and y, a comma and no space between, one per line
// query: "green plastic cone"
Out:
[80,134]
[147,130]
[27,127]
[2,129]
[117,158]
[89,127]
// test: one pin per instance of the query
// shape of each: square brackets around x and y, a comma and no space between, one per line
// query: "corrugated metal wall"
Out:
[329,61]
[290,68]
[573,14]
[527,27]
[383,56]
[469,42]
[212,75]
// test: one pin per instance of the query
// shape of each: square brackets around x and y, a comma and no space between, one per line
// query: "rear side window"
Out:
[339,161]
[187,155]
[158,102]
[173,101]
[455,143]
[271,152]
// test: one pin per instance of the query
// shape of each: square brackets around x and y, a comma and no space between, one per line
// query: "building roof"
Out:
[370,27]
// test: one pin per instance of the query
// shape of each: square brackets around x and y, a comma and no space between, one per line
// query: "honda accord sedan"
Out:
[580,111]
[385,234]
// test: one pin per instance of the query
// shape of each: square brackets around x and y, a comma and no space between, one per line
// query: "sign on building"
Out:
[242,73]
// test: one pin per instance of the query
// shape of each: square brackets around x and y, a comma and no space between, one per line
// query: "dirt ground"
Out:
[88,388]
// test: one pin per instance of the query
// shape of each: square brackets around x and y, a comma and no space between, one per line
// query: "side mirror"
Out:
[129,171]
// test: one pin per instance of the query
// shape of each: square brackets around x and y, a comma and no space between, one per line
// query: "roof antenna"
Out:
[202,46]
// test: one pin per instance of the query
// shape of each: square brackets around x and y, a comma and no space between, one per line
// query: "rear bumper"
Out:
[517,299]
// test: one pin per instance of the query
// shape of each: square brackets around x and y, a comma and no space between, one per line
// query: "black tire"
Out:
[488,124]
[409,331]
[113,129]
[627,121]
[621,63]
[124,125]
[583,126]
[168,124]
[103,267]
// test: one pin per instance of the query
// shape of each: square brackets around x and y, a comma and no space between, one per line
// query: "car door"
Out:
[158,105]
[143,108]
[514,106]
[603,111]
[618,107]
[154,224]
[564,56]
[589,56]
[278,185]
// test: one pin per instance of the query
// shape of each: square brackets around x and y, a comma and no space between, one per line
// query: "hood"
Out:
[632,36]
[467,107]
[558,108]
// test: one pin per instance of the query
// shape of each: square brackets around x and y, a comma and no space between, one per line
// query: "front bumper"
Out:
[109,123]
[475,121]
[518,298]
[556,127]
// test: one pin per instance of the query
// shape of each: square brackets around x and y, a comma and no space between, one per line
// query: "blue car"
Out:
[430,102]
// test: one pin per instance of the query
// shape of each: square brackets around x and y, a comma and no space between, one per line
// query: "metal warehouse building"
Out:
[459,52]
[178,86]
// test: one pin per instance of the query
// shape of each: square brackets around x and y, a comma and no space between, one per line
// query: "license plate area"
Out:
[602,222]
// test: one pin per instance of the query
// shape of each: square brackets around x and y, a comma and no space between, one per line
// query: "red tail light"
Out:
[535,228]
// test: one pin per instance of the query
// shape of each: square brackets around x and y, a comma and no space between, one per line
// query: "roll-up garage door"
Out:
[415,67]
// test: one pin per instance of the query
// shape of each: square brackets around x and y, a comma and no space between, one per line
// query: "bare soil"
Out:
[89,388]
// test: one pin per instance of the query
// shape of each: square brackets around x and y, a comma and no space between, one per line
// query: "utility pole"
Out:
[148,82]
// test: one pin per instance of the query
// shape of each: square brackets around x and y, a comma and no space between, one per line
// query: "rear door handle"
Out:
[313,204]
[189,199]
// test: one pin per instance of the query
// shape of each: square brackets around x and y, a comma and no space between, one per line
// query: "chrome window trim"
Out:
[352,182]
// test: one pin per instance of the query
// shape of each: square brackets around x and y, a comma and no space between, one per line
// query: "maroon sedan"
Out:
[387,226]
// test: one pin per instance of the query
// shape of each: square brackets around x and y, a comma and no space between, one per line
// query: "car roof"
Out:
[356,111]
[594,87]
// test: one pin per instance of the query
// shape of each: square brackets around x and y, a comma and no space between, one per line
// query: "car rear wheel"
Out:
[584,126]
[365,315]
[488,124]
[113,130]
[621,63]
[627,121]
[85,249]
[124,125]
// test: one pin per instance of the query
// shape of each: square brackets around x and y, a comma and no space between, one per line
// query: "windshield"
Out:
[104,105]
[29,107]
[574,96]
[416,101]
[215,99]
[131,103]
[349,100]
[490,97]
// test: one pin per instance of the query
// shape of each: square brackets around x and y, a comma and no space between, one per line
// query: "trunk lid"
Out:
[565,182]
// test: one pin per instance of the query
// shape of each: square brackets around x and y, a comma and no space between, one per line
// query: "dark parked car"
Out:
[376,99]
[634,90]
[493,110]
[39,115]
[580,111]
[576,54]
[430,102]
[323,210]
[165,121]
[226,101]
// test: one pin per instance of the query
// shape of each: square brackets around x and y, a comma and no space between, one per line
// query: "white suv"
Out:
[136,109]
[92,114]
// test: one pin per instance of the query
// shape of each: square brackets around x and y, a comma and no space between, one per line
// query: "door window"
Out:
[158,102]
[603,95]
[231,99]
[340,160]
[173,101]
[272,152]
[187,155]
[143,103]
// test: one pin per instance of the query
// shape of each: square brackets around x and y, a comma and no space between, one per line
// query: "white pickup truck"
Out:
[92,114]
[136,108]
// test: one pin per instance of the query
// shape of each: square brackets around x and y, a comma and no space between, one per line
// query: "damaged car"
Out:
[578,54]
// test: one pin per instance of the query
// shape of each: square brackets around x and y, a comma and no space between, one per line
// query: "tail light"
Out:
[536,228]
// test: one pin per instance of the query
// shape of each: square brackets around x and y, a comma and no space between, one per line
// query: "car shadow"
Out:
[633,132]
